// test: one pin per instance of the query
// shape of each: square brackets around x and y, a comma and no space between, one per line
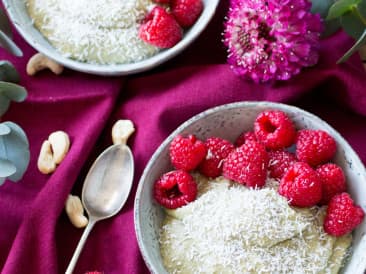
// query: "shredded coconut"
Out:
[95,31]
[233,229]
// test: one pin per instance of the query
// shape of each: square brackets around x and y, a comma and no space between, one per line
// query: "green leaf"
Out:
[7,168]
[362,8]
[5,24]
[4,104]
[360,42]
[330,27]
[4,129]
[17,130]
[13,91]
[341,7]
[10,92]
[321,7]
[8,73]
[352,25]
[15,148]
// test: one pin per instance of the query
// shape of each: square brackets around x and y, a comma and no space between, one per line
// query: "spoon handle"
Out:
[80,246]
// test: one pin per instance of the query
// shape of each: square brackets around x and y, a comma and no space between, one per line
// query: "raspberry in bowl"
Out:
[227,122]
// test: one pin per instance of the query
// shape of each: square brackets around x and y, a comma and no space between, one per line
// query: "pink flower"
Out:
[273,39]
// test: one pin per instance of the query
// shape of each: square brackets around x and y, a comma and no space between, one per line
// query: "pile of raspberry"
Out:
[301,160]
[164,25]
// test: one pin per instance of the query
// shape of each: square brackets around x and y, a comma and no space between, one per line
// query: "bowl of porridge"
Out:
[248,226]
[102,37]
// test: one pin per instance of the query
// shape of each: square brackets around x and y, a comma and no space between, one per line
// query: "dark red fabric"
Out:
[35,234]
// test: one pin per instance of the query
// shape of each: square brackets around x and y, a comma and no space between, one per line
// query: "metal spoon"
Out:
[106,189]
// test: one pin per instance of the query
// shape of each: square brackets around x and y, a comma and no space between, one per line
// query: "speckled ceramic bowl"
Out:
[228,121]
[17,12]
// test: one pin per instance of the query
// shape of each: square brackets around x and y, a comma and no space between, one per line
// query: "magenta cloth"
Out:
[35,234]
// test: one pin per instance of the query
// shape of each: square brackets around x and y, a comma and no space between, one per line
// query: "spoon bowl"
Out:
[105,190]
[108,183]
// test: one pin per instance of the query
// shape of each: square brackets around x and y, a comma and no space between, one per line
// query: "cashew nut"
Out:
[75,211]
[121,131]
[45,161]
[39,62]
[60,143]
[53,151]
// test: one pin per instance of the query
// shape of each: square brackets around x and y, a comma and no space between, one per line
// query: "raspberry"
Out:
[333,181]
[274,129]
[247,164]
[342,215]
[217,150]
[245,136]
[175,189]
[279,162]
[301,185]
[315,146]
[187,153]
[186,12]
[160,29]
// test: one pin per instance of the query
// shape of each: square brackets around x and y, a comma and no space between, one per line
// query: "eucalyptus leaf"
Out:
[330,27]
[7,168]
[17,130]
[15,148]
[9,45]
[8,73]
[360,42]
[352,25]
[341,7]
[4,104]
[362,8]
[5,24]
[10,92]
[13,91]
[4,129]
[321,7]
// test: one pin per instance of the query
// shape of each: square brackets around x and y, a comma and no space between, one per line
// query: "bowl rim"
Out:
[113,69]
[147,258]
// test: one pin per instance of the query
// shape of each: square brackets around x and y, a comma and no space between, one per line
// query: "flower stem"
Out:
[360,42]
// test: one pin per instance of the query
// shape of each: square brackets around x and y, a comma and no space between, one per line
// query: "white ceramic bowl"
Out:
[228,121]
[18,15]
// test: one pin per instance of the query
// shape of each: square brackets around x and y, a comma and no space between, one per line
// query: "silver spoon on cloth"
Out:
[105,190]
